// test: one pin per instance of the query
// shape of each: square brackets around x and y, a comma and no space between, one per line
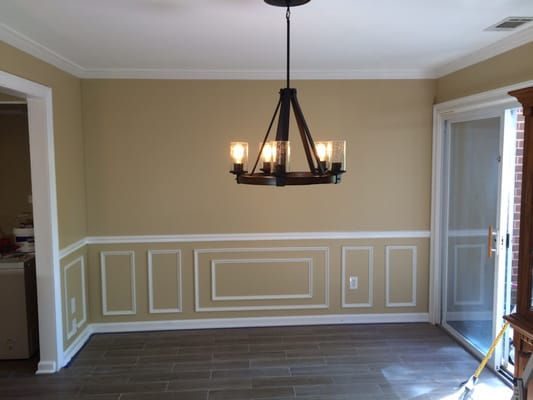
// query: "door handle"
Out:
[491,251]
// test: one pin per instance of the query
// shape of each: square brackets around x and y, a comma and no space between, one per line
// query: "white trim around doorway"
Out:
[441,112]
[42,158]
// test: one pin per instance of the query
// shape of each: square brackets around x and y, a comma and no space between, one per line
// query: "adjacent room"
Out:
[162,237]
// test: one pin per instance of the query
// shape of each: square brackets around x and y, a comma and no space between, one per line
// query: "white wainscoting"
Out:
[103,270]
[72,327]
[390,269]
[370,271]
[253,300]
[152,292]
[307,261]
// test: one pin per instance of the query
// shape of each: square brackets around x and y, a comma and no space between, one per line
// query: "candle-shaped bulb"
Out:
[321,150]
[237,153]
[239,156]
[268,152]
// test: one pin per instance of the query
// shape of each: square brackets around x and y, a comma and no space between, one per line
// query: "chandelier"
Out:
[326,159]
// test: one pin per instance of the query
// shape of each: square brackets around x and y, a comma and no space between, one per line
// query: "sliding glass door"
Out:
[475,217]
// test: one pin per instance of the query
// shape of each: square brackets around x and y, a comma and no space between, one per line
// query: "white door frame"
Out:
[442,111]
[41,134]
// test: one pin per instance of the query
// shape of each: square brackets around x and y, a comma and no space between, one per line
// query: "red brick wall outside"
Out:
[517,198]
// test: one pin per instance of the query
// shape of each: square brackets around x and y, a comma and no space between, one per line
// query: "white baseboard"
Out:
[213,323]
[46,367]
[77,345]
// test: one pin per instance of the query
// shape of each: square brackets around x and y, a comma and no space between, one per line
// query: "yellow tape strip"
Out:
[491,350]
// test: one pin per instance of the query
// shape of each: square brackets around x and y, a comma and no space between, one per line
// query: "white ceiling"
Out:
[245,39]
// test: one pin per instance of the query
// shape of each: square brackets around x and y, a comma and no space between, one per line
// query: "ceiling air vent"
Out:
[509,23]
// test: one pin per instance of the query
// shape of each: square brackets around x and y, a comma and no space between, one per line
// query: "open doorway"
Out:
[40,122]
[19,335]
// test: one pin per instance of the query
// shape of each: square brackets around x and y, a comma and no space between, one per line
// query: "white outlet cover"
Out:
[354,282]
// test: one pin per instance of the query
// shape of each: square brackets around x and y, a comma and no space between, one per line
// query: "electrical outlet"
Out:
[73,305]
[354,282]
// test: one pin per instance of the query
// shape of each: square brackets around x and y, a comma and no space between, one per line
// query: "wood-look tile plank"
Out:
[91,388]
[385,362]
[250,394]
[200,384]
[301,380]
[193,395]
[250,373]
[169,376]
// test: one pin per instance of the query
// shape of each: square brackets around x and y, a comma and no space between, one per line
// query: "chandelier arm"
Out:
[266,136]
[282,134]
[307,139]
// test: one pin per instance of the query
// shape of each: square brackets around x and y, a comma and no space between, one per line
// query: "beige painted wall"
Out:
[7,98]
[512,67]
[68,138]
[15,174]
[157,156]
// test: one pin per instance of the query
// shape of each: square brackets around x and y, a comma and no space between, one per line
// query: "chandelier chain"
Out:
[288,16]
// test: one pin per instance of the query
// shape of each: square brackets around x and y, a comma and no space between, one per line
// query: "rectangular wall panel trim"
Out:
[308,295]
[200,308]
[103,270]
[389,250]
[71,330]
[151,291]
[370,281]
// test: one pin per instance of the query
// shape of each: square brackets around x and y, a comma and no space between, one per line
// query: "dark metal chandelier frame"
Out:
[318,172]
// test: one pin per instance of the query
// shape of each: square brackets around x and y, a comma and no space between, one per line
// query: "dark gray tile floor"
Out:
[393,361]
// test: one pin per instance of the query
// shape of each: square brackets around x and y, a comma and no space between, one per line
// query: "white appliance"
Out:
[18,307]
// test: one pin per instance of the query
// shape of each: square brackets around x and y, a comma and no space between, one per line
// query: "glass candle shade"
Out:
[267,156]
[323,151]
[281,157]
[239,156]
[338,156]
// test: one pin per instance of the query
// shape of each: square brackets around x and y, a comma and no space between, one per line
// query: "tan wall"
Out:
[15,174]
[512,67]
[250,279]
[7,98]
[68,138]
[157,156]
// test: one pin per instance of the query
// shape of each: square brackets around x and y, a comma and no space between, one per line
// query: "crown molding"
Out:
[509,43]
[212,74]
[30,46]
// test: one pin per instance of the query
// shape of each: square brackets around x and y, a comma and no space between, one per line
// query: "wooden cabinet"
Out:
[522,319]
